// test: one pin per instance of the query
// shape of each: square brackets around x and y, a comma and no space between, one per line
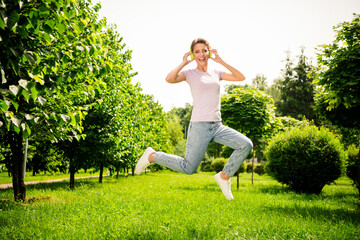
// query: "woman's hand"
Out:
[234,75]
[215,53]
[175,76]
[186,60]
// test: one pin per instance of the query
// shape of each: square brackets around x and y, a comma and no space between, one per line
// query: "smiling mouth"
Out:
[201,59]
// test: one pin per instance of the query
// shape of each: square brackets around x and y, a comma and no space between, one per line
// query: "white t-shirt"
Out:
[205,90]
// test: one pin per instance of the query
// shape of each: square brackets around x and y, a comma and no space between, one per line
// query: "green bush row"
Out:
[217,164]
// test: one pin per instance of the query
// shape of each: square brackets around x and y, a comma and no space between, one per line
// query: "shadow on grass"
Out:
[8,203]
[336,216]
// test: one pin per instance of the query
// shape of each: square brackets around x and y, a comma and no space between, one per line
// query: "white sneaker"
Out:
[225,186]
[143,162]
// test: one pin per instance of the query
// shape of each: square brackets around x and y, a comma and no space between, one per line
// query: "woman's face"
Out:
[201,53]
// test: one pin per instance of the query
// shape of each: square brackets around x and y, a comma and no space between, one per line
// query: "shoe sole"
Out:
[142,159]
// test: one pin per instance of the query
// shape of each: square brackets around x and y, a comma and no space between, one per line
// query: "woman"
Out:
[205,124]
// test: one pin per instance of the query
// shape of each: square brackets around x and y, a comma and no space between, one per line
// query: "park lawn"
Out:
[45,176]
[168,205]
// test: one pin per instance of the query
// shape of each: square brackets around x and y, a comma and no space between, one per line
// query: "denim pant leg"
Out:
[241,144]
[198,140]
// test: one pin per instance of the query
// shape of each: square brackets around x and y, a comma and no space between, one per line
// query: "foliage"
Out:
[275,92]
[305,159]
[353,166]
[174,128]
[218,164]
[249,111]
[205,165]
[184,114]
[259,82]
[337,78]
[51,67]
[259,169]
[296,89]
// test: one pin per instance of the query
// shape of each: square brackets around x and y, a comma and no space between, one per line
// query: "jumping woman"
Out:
[205,124]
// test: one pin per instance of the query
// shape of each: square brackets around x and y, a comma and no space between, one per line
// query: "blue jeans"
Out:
[199,136]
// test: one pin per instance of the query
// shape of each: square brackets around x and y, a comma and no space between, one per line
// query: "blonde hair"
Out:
[199,40]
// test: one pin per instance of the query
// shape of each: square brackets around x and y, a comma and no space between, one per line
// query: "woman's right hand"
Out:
[186,60]
[175,76]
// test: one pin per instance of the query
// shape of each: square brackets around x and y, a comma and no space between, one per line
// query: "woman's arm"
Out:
[174,76]
[234,75]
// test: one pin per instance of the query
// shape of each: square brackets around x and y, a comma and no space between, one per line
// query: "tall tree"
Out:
[260,82]
[51,66]
[337,78]
[296,89]
[250,111]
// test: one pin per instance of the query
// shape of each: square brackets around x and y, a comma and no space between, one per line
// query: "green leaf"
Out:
[2,22]
[26,95]
[4,105]
[61,28]
[15,104]
[13,19]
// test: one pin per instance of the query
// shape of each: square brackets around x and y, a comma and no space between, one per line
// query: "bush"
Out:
[249,167]
[218,164]
[305,159]
[353,166]
[205,165]
[259,169]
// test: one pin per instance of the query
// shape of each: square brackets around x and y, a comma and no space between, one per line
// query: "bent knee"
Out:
[190,171]
[246,145]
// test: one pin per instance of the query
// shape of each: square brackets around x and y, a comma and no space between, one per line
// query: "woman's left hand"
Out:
[216,54]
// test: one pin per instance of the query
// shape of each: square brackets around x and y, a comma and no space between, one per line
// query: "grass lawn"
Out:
[168,205]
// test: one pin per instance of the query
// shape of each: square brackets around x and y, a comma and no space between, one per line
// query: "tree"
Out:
[260,82]
[51,68]
[274,91]
[249,111]
[296,97]
[184,115]
[337,77]
[174,128]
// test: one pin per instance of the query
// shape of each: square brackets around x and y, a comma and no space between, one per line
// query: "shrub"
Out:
[305,159]
[218,164]
[205,165]
[249,167]
[259,169]
[353,166]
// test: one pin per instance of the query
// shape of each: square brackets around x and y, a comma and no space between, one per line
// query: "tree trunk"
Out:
[237,180]
[72,175]
[252,168]
[17,156]
[101,172]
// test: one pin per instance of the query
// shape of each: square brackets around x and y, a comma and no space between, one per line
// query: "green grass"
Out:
[168,205]
[43,176]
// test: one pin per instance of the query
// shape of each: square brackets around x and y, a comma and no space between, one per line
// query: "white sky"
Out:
[251,35]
